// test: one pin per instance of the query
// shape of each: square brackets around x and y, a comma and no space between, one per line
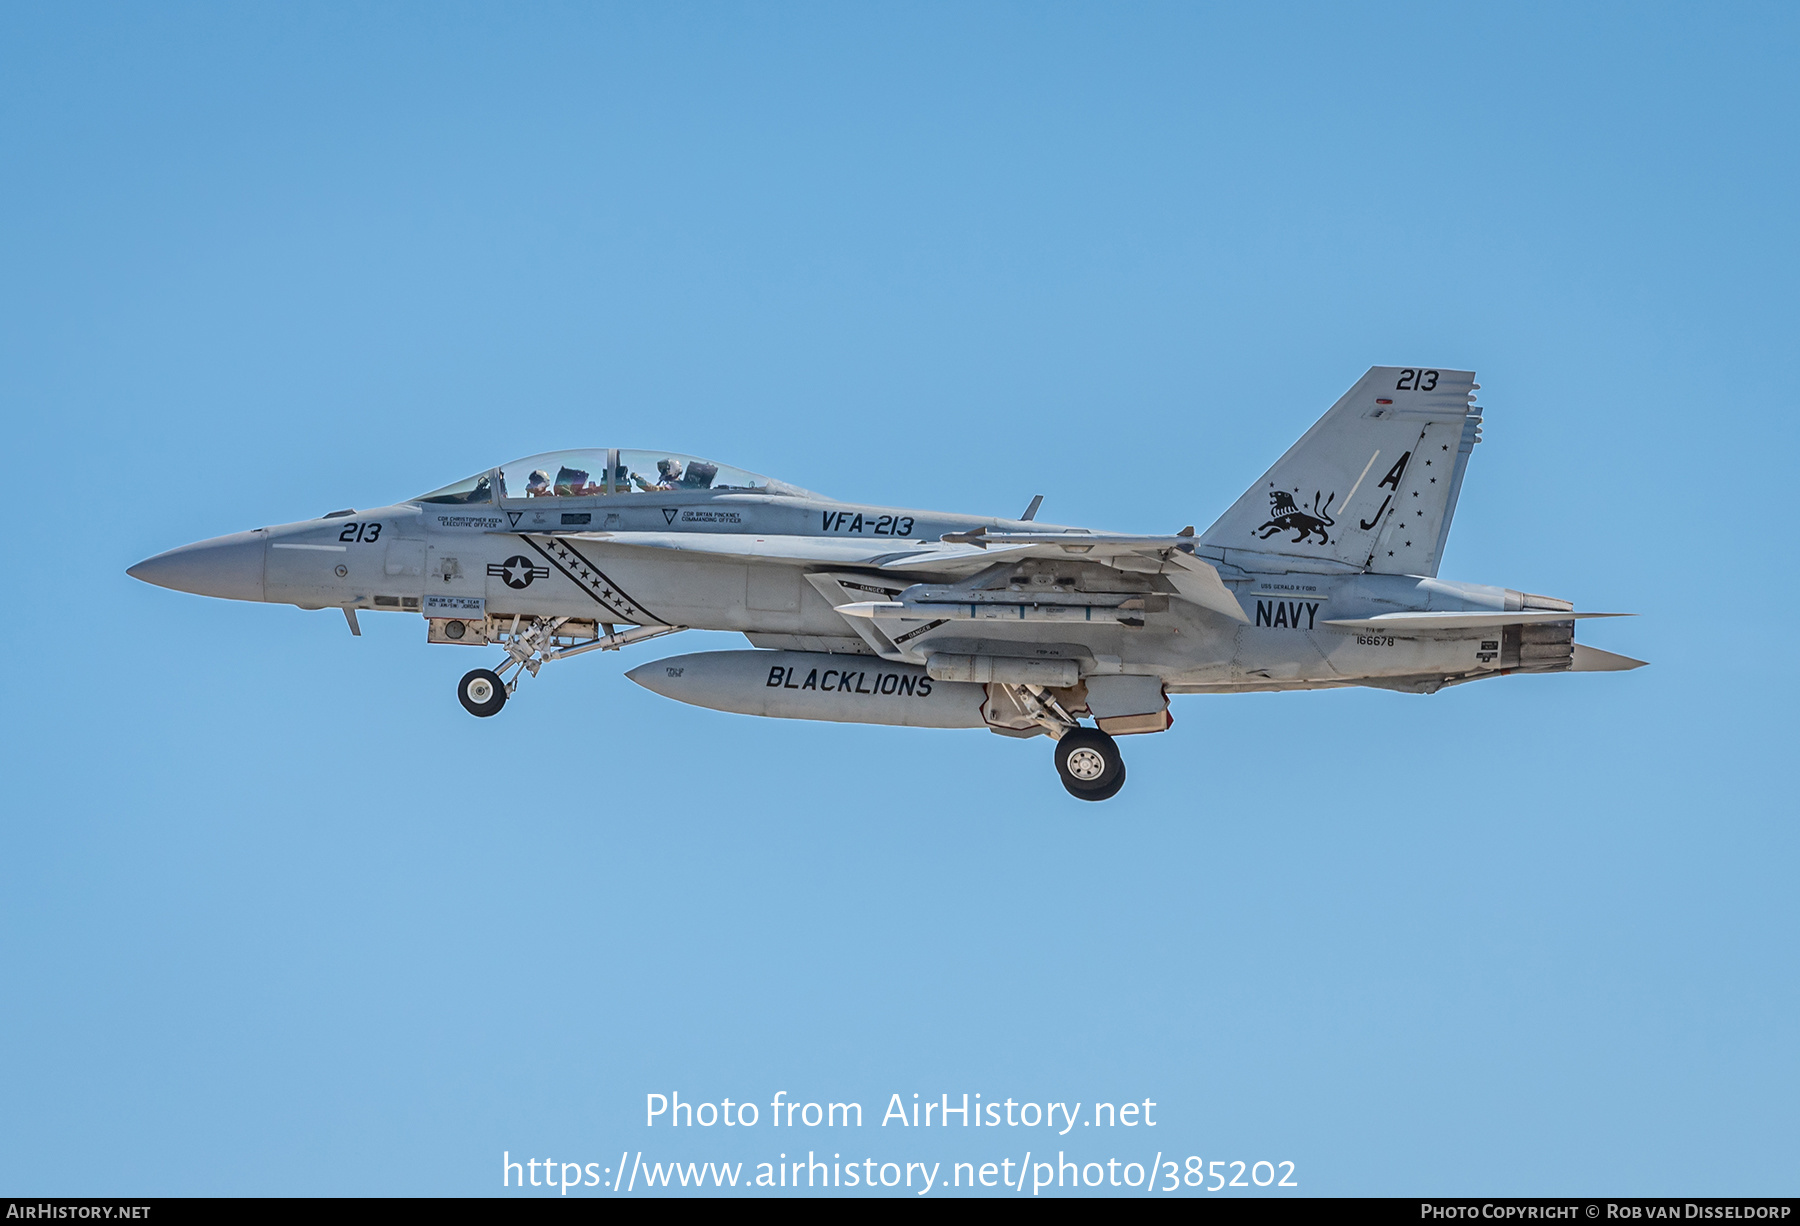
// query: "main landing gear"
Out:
[1090,764]
[530,644]
[1087,759]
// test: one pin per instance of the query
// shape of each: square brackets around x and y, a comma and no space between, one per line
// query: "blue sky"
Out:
[277,916]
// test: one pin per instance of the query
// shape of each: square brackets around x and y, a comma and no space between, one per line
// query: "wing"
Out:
[959,555]
[1194,579]
[802,550]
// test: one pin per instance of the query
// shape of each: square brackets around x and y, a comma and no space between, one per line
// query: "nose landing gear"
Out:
[529,646]
[1090,764]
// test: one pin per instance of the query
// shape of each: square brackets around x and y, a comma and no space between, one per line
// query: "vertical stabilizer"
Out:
[1372,485]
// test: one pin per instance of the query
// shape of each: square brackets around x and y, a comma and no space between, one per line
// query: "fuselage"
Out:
[1322,573]
[709,559]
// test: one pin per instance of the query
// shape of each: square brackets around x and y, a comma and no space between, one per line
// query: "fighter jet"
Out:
[1323,573]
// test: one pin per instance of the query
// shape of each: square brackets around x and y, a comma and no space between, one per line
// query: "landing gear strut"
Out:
[1090,764]
[530,644]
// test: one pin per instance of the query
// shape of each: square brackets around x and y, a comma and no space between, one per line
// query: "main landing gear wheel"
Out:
[1090,765]
[482,692]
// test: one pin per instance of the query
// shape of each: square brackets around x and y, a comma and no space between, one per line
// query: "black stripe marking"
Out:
[595,582]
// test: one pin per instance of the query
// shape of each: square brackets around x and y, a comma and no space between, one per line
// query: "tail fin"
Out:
[1372,485]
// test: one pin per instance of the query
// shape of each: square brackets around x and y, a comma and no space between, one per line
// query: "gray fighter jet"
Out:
[1324,573]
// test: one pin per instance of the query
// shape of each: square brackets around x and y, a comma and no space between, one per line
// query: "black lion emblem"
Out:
[1286,516]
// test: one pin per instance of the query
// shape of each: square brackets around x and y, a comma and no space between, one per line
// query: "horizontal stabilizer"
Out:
[1593,660]
[1400,623]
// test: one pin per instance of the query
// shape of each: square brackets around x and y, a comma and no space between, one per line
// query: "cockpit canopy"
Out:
[598,472]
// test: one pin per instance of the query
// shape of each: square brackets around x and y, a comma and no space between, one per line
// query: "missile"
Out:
[845,689]
[1129,612]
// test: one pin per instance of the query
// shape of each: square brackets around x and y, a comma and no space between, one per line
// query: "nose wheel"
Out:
[1090,764]
[481,692]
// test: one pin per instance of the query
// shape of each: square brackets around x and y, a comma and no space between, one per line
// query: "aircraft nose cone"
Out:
[229,567]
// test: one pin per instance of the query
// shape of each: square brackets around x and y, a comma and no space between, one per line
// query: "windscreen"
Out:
[479,488]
